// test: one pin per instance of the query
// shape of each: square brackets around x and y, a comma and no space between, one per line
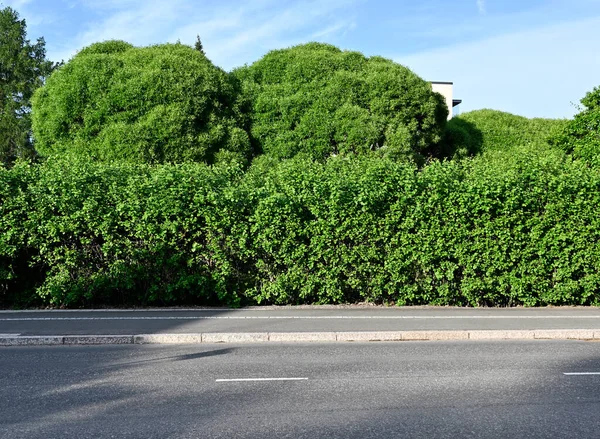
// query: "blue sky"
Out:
[536,58]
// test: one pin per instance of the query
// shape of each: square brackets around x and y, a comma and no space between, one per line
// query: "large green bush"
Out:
[165,103]
[317,100]
[491,130]
[501,229]
[581,136]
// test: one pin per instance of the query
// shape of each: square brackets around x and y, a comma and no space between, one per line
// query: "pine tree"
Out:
[198,45]
[23,67]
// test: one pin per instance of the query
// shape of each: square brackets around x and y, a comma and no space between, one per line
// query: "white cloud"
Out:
[336,28]
[231,34]
[262,26]
[536,73]
[138,22]
[481,6]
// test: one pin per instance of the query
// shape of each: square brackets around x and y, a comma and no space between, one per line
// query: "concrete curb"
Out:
[31,341]
[302,337]
[97,339]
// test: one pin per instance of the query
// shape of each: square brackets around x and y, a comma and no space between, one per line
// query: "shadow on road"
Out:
[182,357]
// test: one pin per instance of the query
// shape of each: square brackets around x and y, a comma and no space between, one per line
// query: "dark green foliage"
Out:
[498,230]
[491,130]
[18,274]
[23,67]
[461,139]
[319,101]
[165,103]
[581,136]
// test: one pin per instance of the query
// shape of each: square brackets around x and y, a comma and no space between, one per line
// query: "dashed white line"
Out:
[231,380]
[580,373]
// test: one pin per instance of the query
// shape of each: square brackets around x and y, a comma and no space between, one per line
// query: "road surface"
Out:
[504,389]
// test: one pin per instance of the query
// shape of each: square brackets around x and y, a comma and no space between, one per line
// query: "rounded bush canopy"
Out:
[492,130]
[318,100]
[106,47]
[164,103]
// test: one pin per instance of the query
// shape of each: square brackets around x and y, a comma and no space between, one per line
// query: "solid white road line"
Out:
[580,373]
[230,380]
[43,319]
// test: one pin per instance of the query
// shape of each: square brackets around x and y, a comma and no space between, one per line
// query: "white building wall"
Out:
[445,89]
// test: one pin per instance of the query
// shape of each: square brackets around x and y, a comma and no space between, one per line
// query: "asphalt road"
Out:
[309,319]
[382,390]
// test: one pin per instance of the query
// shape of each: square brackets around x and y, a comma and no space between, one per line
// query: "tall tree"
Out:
[23,68]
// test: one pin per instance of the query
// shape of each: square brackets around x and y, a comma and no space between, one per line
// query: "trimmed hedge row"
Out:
[500,231]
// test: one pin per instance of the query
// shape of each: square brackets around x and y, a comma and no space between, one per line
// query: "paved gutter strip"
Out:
[291,337]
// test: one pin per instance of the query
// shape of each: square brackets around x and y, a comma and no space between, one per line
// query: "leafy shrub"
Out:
[497,230]
[126,234]
[581,136]
[317,100]
[165,103]
[491,130]
[18,275]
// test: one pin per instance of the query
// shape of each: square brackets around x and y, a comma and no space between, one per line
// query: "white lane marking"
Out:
[580,373]
[231,380]
[10,335]
[30,319]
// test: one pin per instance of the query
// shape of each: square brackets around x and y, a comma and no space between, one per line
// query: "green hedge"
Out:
[501,230]
[116,233]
